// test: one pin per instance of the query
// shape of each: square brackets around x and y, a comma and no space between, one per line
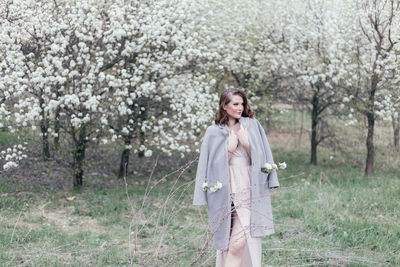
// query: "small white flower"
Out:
[282,165]
[205,186]
[10,165]
[218,185]
[214,188]
[148,153]
[268,166]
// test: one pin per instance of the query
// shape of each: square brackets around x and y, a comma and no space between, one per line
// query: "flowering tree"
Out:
[88,64]
[317,59]
[158,93]
[239,39]
[11,75]
[388,109]
[334,59]
[376,53]
[65,46]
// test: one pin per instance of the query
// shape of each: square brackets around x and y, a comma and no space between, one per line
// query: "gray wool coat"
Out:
[213,167]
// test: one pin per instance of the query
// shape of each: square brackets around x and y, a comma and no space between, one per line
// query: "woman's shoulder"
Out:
[211,132]
[214,129]
[252,121]
[254,124]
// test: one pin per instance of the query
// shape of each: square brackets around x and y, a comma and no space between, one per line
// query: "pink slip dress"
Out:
[240,181]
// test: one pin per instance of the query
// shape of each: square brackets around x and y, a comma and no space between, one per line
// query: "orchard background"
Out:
[103,105]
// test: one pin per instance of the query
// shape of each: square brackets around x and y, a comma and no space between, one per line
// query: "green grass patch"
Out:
[325,215]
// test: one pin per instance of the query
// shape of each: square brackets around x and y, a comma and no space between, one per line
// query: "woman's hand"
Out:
[233,141]
[243,137]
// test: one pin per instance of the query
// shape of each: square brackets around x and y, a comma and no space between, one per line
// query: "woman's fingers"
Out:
[241,132]
[233,141]
[243,136]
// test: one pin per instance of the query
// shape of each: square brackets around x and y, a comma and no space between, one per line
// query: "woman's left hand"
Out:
[243,137]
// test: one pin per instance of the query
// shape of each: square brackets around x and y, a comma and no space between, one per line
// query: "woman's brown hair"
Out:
[222,117]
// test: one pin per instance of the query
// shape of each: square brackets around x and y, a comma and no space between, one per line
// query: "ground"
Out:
[325,215]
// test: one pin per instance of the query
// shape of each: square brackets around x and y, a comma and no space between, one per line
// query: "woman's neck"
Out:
[232,122]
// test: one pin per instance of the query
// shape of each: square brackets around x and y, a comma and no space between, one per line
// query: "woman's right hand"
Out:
[233,141]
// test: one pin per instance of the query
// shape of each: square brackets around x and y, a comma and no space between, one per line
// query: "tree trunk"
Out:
[57,124]
[397,134]
[396,131]
[314,124]
[123,166]
[369,166]
[301,127]
[141,140]
[369,163]
[142,135]
[79,156]
[57,130]
[43,128]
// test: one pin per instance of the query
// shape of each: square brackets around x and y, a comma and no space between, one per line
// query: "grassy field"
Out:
[325,215]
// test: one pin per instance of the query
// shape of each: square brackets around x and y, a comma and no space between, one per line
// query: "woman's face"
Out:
[235,107]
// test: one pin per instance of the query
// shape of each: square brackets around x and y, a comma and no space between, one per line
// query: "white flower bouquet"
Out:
[214,188]
[270,167]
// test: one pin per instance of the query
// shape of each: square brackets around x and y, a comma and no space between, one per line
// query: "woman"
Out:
[239,210]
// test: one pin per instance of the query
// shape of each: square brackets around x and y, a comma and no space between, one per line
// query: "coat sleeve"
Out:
[272,177]
[200,197]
